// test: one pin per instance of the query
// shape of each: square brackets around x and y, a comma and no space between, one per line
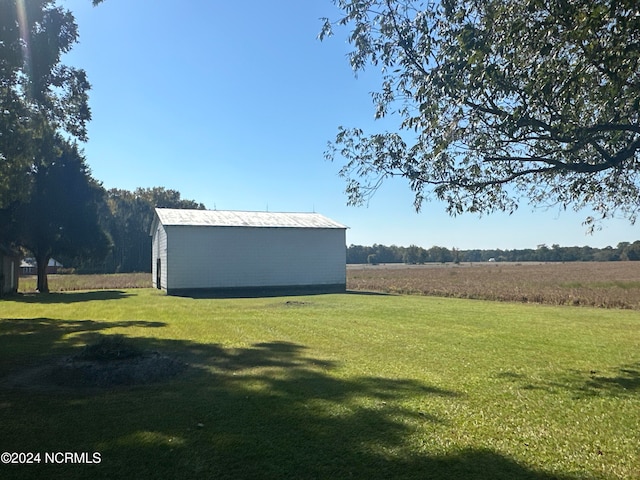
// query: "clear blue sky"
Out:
[233,103]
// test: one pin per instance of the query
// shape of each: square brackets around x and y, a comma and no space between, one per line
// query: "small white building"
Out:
[29,266]
[218,250]
[9,269]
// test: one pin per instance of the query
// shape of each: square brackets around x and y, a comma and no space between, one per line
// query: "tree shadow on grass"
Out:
[67,297]
[270,410]
[257,292]
[27,341]
[620,380]
[615,381]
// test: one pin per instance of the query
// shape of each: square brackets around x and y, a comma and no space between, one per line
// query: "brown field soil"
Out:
[66,282]
[597,284]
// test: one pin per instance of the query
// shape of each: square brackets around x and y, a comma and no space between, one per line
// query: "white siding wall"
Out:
[9,271]
[159,251]
[228,257]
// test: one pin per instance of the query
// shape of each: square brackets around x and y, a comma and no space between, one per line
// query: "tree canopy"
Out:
[48,198]
[498,101]
[60,216]
[127,217]
[38,93]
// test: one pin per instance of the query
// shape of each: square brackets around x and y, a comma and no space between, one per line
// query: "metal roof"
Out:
[232,218]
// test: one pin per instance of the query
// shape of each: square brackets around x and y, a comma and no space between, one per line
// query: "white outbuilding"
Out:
[215,250]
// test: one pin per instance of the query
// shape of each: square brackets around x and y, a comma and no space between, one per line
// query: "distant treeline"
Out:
[416,255]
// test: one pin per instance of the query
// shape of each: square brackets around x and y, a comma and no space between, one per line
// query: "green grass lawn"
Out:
[329,387]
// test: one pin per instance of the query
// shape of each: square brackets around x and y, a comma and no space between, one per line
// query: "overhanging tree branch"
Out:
[539,97]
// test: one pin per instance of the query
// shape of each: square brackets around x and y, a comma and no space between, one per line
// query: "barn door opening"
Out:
[158,274]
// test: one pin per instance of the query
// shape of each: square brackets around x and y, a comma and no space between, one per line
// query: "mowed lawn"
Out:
[328,387]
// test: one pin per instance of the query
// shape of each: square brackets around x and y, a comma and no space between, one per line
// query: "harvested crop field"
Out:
[598,284]
[73,282]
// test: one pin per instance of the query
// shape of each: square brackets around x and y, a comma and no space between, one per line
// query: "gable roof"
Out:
[31,262]
[233,218]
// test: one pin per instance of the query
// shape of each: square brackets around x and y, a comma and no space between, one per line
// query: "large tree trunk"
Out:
[43,282]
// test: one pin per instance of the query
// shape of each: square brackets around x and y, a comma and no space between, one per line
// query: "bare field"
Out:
[597,284]
[62,283]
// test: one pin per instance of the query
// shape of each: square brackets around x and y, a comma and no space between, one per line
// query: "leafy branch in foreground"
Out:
[498,101]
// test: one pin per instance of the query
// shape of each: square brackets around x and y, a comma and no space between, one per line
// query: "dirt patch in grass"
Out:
[295,303]
[109,363]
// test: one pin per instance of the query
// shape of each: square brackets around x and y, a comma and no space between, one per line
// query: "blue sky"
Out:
[233,103]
